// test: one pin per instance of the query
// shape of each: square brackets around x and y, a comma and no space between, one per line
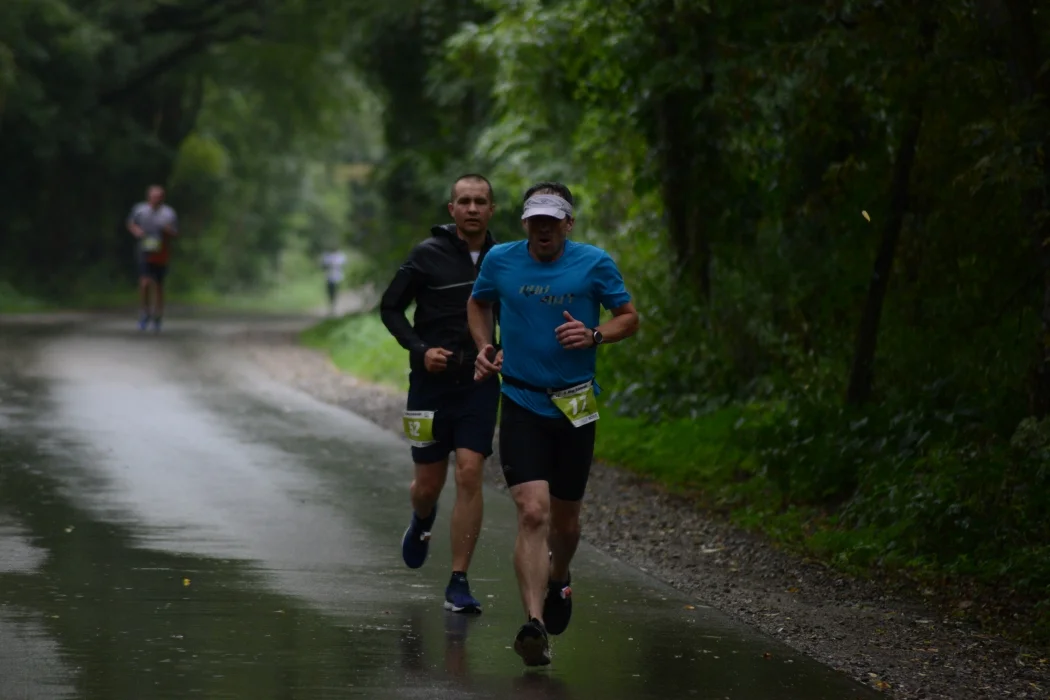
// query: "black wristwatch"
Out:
[596,336]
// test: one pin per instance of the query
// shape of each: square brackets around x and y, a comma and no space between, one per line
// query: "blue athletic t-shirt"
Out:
[533,297]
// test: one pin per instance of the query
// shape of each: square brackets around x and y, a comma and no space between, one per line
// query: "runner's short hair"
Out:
[547,187]
[471,176]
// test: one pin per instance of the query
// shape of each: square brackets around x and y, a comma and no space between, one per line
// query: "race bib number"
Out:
[150,244]
[578,403]
[419,428]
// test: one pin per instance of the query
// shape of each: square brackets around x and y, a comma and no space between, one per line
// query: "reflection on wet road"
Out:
[173,525]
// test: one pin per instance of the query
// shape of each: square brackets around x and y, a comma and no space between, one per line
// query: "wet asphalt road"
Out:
[174,525]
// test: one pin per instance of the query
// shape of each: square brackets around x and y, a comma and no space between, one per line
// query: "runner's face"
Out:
[472,207]
[546,236]
[155,196]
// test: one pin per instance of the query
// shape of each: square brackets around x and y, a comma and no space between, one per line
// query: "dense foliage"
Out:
[835,216]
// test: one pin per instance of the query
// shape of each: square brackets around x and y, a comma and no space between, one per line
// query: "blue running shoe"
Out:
[415,545]
[458,598]
[143,321]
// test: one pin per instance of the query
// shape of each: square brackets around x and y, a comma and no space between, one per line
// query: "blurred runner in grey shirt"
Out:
[153,223]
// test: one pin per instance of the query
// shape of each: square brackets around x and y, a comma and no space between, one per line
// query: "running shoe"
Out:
[557,607]
[415,544]
[458,598]
[532,645]
[143,321]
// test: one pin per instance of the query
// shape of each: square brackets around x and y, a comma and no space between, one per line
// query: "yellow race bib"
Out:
[419,428]
[578,403]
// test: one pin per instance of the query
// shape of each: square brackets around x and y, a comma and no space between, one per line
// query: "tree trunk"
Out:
[680,165]
[1024,46]
[862,371]
[685,155]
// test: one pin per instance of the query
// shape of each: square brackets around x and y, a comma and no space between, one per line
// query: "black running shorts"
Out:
[152,271]
[540,448]
[464,416]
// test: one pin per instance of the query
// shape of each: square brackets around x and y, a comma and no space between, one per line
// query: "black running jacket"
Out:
[439,277]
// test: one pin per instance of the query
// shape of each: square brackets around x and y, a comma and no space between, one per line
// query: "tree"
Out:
[862,371]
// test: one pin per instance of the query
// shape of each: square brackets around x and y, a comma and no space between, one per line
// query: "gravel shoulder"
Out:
[887,640]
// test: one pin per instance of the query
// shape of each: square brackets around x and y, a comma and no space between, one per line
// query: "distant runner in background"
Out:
[154,224]
[333,262]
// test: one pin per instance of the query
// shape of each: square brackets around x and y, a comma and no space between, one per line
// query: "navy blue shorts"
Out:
[464,416]
[153,271]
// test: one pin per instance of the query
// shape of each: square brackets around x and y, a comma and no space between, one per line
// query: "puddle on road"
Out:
[17,552]
[30,664]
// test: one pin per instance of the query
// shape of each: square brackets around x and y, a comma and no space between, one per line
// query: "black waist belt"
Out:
[507,379]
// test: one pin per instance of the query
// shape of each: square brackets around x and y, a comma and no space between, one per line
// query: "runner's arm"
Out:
[133,228]
[623,324]
[479,319]
[172,227]
[614,296]
[396,299]
[483,303]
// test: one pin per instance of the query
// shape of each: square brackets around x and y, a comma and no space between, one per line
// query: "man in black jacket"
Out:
[446,409]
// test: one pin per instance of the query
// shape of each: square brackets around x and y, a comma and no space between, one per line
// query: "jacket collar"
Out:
[449,231]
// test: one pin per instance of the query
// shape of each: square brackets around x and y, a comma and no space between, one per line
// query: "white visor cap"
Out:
[547,205]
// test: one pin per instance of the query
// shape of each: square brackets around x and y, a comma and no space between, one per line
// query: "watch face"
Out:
[598,337]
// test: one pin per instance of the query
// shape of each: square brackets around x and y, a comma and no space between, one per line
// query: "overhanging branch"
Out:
[170,61]
[201,18]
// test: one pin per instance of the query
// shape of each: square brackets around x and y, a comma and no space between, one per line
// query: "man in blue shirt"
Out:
[549,290]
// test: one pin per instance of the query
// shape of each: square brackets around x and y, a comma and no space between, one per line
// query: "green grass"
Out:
[12,301]
[291,297]
[361,345]
[688,454]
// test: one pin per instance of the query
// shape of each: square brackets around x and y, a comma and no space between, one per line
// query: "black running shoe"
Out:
[557,607]
[531,644]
